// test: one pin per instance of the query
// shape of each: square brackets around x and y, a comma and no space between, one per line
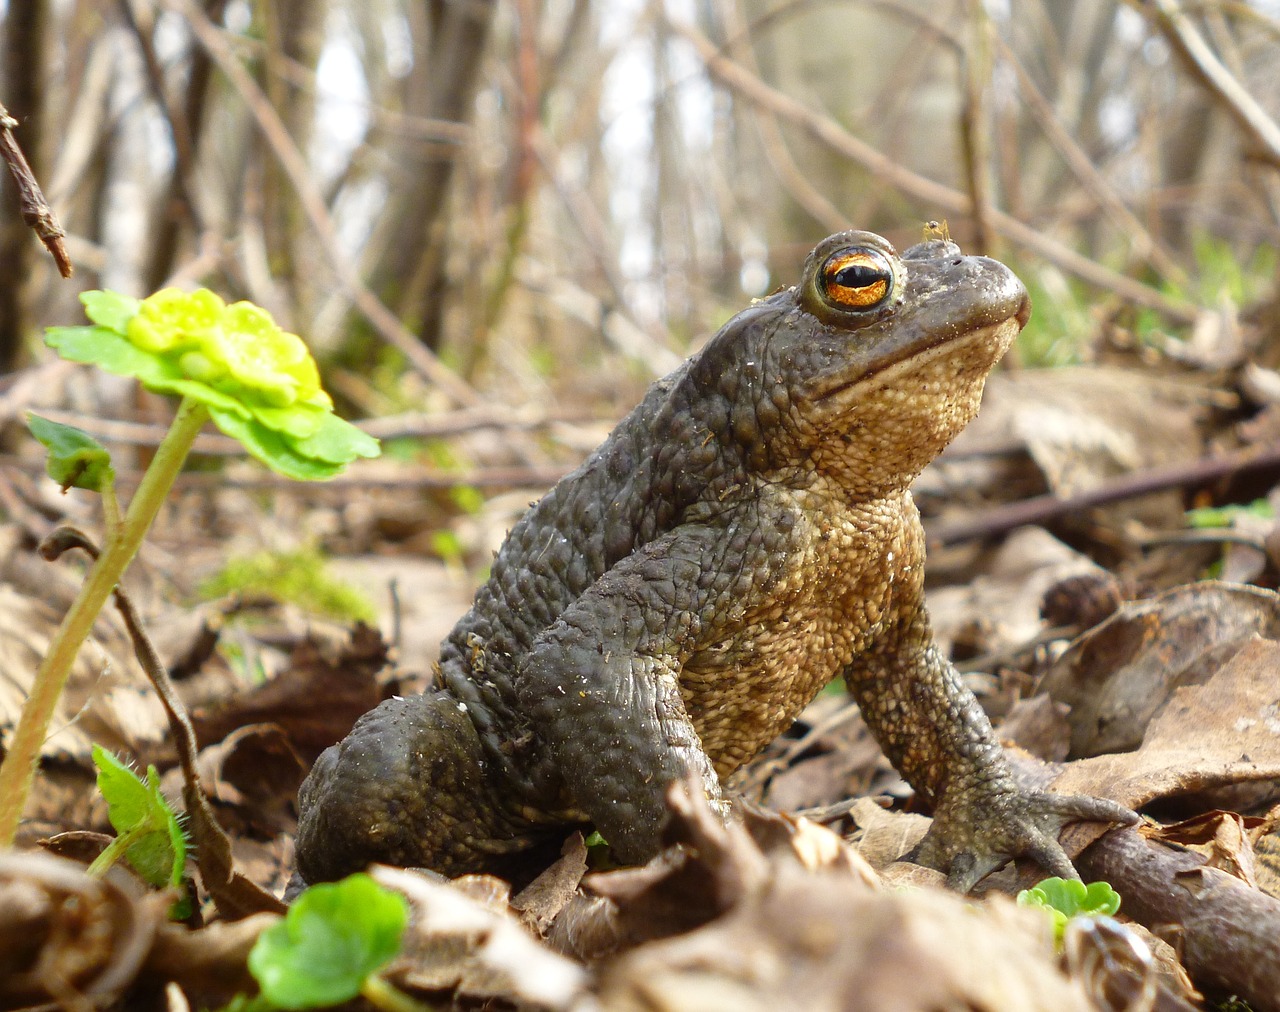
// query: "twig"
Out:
[1050,507]
[35,210]
[1143,242]
[832,134]
[1181,34]
[235,895]
[312,201]
[1225,931]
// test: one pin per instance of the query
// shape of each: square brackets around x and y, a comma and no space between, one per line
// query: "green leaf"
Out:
[338,442]
[272,449]
[332,938]
[139,812]
[1068,898]
[110,309]
[76,459]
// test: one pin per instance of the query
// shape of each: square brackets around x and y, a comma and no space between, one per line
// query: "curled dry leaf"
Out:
[1225,731]
[824,941]
[1124,672]
[1223,838]
[65,936]
[457,944]
[541,900]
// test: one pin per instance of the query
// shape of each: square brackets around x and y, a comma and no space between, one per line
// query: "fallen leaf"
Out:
[1224,731]
[1120,674]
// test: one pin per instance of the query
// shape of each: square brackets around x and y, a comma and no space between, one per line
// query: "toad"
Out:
[744,536]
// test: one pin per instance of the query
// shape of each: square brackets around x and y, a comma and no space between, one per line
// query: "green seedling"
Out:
[1064,899]
[148,834]
[1225,516]
[231,364]
[329,947]
[76,459]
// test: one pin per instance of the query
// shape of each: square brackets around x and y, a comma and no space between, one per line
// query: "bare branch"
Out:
[1181,34]
[35,210]
[295,167]
[946,199]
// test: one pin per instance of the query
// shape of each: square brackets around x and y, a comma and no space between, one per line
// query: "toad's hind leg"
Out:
[408,786]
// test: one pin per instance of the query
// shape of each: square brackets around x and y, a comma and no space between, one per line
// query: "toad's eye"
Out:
[856,278]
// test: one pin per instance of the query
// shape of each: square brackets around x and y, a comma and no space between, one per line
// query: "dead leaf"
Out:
[455,943]
[316,700]
[1221,837]
[541,900]
[210,965]
[1120,675]
[1225,731]
[1085,424]
[1038,725]
[64,934]
[999,609]
[821,941]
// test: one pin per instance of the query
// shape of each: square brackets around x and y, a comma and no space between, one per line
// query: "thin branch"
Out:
[1143,242]
[946,199]
[294,164]
[35,210]
[1181,34]
[1043,509]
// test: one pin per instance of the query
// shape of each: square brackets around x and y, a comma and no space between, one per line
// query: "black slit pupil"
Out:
[858,276]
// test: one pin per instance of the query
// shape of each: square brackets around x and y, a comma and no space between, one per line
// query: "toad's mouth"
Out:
[980,347]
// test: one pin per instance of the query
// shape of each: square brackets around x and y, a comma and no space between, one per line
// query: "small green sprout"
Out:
[1225,516]
[148,834]
[1064,899]
[330,945]
[76,459]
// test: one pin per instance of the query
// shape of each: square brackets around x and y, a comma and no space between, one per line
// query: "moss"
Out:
[300,578]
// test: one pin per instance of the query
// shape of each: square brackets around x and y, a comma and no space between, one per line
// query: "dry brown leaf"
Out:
[1083,425]
[455,943]
[107,699]
[821,941]
[540,902]
[1039,726]
[1225,731]
[1120,675]
[324,690]
[885,836]
[1000,608]
[64,934]
[1221,837]
[210,965]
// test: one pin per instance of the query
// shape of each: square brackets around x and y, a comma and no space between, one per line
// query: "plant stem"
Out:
[23,754]
[386,996]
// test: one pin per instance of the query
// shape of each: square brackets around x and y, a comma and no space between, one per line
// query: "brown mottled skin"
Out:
[741,538]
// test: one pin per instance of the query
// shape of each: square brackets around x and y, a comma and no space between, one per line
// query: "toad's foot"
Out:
[970,840]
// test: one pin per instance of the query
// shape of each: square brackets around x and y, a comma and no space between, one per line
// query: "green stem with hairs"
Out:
[123,540]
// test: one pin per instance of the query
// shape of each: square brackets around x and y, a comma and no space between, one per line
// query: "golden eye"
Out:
[856,278]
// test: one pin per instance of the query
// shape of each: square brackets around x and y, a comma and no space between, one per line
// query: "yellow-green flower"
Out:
[259,382]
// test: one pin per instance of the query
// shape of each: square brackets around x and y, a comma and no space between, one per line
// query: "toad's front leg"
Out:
[601,685]
[938,737]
